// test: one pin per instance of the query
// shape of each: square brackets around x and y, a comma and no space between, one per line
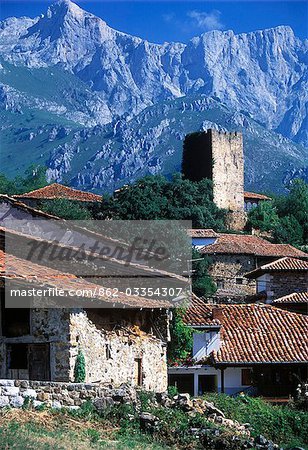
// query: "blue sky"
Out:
[159,21]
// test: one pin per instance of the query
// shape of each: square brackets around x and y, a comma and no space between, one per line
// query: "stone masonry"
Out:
[119,346]
[228,272]
[228,170]
[283,283]
[57,395]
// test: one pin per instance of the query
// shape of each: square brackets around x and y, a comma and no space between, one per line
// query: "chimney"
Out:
[217,313]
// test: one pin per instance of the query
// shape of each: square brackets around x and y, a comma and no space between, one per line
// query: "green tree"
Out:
[80,368]
[295,204]
[181,342]
[155,197]
[288,230]
[6,186]
[286,216]
[264,217]
[202,282]
[34,178]
[66,209]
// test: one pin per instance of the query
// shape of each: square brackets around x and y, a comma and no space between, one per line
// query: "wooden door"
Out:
[39,362]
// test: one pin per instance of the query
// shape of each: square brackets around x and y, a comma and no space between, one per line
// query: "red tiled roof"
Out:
[25,271]
[296,297]
[200,313]
[281,265]
[255,196]
[255,333]
[250,245]
[202,233]
[57,190]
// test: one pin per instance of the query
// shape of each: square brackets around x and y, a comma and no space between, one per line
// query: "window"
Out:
[183,382]
[207,383]
[15,322]
[220,284]
[138,372]
[239,280]
[246,377]
[108,351]
[18,356]
[261,285]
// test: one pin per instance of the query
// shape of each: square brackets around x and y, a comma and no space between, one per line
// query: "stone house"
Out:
[18,217]
[252,199]
[251,348]
[233,255]
[281,277]
[123,339]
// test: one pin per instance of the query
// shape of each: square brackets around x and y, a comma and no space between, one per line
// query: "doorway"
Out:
[183,382]
[207,383]
[28,361]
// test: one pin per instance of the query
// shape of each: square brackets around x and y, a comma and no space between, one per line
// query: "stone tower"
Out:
[228,169]
[228,175]
[219,156]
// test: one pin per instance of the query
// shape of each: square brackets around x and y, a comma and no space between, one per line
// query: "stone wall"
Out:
[47,326]
[119,346]
[113,352]
[14,392]
[284,283]
[228,273]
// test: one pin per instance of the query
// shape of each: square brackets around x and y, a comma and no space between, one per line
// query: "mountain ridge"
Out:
[72,66]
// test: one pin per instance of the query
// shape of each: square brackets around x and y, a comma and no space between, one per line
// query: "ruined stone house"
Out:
[123,338]
[122,342]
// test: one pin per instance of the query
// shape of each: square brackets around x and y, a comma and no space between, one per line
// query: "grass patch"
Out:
[286,426]
[119,427]
[50,430]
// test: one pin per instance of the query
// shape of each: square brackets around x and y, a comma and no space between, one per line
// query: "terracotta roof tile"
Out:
[200,313]
[206,233]
[255,196]
[255,333]
[296,297]
[18,269]
[251,245]
[281,265]
[56,190]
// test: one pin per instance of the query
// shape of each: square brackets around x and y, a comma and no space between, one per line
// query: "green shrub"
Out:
[281,424]
[172,391]
[180,345]
[146,399]
[80,368]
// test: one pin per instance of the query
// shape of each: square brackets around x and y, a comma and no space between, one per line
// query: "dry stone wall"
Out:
[13,393]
